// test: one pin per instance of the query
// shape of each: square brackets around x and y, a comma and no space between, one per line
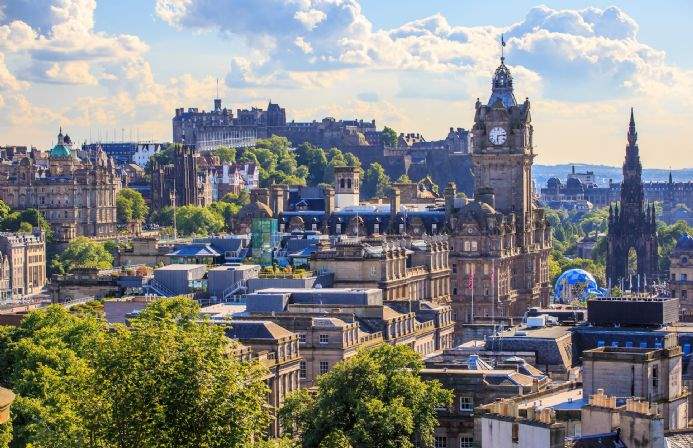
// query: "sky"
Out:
[118,68]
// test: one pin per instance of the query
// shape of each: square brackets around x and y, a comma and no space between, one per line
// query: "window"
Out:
[658,345]
[600,343]
[441,442]
[302,371]
[324,367]
[302,338]
[684,277]
[614,343]
[629,344]
[466,441]
[686,349]
[466,404]
[324,339]
[643,345]
[655,378]
[684,293]
[466,246]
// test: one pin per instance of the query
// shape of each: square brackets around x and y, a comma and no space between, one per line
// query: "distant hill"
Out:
[603,173]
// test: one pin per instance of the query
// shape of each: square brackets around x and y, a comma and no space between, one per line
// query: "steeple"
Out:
[632,133]
[502,83]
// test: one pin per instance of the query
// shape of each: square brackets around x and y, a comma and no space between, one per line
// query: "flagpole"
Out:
[472,286]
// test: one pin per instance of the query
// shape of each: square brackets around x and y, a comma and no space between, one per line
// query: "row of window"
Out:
[324,367]
[442,442]
[682,277]
[629,344]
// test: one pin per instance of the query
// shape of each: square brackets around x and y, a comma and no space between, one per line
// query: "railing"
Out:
[160,289]
[231,291]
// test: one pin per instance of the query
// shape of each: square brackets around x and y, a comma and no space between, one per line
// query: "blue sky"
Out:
[98,67]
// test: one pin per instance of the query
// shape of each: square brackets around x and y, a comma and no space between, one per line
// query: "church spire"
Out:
[632,133]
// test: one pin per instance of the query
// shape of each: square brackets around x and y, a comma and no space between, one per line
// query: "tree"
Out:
[403,179]
[193,219]
[167,380]
[375,399]
[130,206]
[83,252]
[375,182]
[14,220]
[226,154]
[389,136]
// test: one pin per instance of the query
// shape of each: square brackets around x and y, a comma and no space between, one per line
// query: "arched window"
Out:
[341,183]
[348,183]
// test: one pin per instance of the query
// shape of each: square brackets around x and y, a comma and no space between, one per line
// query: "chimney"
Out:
[278,197]
[641,422]
[217,104]
[329,201]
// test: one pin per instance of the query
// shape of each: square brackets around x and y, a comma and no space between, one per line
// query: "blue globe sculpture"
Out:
[576,284]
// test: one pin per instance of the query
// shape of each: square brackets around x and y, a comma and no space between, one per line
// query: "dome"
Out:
[576,283]
[685,243]
[255,210]
[502,87]
[60,151]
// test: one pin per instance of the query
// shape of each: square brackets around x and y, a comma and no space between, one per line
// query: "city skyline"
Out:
[104,67]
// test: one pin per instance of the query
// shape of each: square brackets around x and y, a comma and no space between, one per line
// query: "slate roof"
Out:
[607,440]
[683,440]
[250,329]
[194,250]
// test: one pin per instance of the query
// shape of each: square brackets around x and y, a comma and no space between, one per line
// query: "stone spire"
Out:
[632,133]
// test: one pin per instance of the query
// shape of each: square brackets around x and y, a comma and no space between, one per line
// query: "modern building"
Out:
[76,191]
[632,226]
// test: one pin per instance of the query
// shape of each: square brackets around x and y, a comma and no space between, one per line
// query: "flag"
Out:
[470,280]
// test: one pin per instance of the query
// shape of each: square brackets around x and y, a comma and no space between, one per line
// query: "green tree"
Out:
[130,206]
[166,380]
[389,136]
[374,399]
[83,252]
[403,179]
[668,237]
[192,219]
[225,154]
[375,182]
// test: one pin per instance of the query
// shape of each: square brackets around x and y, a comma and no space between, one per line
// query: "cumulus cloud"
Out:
[58,40]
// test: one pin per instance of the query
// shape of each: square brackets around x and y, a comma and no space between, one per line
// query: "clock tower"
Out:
[502,149]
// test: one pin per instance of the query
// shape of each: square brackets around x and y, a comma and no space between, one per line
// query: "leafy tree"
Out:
[226,154]
[83,252]
[375,399]
[375,182]
[167,380]
[315,160]
[192,219]
[4,210]
[389,136]
[403,179]
[668,237]
[13,221]
[163,157]
[25,227]
[240,199]
[130,206]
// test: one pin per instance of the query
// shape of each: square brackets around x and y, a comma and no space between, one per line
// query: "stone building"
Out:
[278,350]
[75,191]
[681,275]
[404,270]
[182,180]
[632,226]
[26,255]
[500,241]
[653,375]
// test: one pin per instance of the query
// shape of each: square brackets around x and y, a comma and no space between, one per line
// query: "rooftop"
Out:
[180,267]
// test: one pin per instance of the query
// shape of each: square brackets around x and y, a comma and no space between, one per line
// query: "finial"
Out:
[502,48]
[217,88]
[671,180]
[632,133]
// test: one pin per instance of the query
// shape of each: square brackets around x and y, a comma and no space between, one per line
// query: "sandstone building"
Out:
[499,242]
[26,255]
[75,191]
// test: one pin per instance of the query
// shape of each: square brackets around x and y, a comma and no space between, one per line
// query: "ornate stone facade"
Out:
[632,225]
[500,241]
[75,191]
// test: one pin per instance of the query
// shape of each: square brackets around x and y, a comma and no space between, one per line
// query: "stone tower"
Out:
[346,186]
[502,150]
[632,225]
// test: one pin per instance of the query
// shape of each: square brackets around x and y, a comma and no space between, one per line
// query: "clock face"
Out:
[497,136]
